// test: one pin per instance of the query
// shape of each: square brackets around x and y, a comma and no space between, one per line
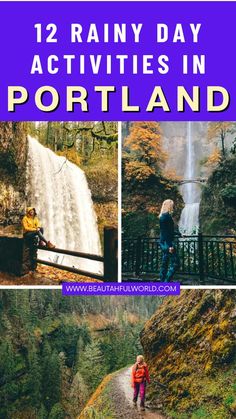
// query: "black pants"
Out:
[32,239]
[35,236]
[170,263]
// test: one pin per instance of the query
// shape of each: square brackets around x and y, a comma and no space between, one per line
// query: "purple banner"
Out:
[117,61]
[128,288]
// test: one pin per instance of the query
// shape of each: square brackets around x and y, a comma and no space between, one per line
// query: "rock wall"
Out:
[189,345]
[100,404]
[16,257]
[102,181]
[218,205]
[13,155]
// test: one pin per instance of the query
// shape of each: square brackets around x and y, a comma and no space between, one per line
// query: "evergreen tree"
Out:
[92,364]
[34,308]
[57,412]
[10,389]
[34,376]
[51,377]
[42,413]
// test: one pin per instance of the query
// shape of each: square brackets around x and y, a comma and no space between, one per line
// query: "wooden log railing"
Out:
[15,257]
[72,268]
[110,265]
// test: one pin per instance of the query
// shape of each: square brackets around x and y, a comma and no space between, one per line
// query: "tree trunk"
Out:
[48,133]
[223,143]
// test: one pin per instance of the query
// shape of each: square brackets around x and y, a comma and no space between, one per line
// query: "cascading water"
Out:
[189,220]
[59,191]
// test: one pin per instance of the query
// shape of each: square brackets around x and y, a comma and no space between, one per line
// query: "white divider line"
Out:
[207,287]
[119,199]
[31,287]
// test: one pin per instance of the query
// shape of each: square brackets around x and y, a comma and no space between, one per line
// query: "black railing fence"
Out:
[200,255]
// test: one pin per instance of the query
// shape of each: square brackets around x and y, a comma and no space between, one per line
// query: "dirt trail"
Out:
[123,394]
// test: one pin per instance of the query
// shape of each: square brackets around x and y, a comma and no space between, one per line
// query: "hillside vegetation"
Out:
[218,204]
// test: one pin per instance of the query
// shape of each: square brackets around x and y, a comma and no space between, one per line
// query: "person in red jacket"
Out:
[139,379]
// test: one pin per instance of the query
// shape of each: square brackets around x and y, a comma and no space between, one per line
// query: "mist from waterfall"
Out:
[59,191]
[189,220]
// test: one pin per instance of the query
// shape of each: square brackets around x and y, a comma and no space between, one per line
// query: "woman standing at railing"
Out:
[170,259]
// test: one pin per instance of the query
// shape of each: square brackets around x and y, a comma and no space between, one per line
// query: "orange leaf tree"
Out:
[218,131]
[144,155]
[214,158]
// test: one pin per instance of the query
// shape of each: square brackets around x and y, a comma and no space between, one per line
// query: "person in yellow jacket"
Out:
[32,229]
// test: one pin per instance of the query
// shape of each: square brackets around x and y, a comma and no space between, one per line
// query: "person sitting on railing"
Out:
[32,229]
[167,233]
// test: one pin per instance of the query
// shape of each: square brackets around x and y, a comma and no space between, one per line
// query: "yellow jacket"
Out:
[29,223]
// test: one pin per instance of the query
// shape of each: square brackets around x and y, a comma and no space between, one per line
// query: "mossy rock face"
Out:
[13,146]
[232,408]
[13,156]
[107,215]
[100,405]
[223,350]
[189,345]
[12,200]
[102,180]
[218,202]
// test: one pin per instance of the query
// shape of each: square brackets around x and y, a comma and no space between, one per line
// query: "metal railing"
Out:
[200,255]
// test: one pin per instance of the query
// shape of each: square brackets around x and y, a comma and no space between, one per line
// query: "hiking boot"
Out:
[142,406]
[50,245]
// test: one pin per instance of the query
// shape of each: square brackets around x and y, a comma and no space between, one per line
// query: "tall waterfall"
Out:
[189,220]
[59,191]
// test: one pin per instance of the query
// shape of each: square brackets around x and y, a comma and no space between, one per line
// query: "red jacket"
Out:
[139,373]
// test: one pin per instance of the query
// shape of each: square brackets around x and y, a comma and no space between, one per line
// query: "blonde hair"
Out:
[140,358]
[167,206]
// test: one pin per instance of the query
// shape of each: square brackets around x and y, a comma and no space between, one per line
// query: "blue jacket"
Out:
[167,229]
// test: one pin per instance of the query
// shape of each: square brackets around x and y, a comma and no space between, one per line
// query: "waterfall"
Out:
[189,220]
[59,191]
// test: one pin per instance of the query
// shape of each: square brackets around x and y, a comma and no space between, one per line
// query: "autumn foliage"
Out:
[214,158]
[144,155]
[146,182]
[218,131]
